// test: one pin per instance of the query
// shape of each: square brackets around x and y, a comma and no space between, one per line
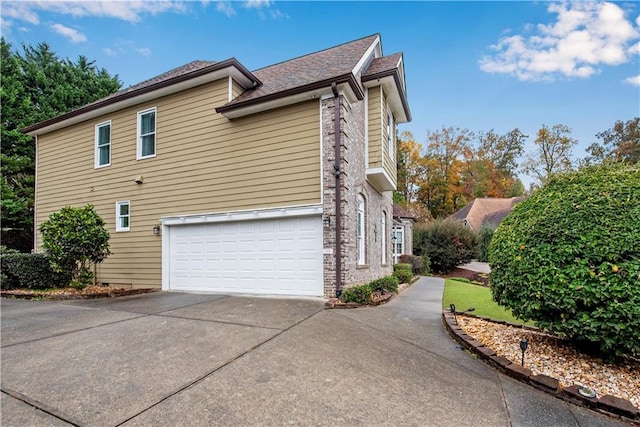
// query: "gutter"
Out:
[337,172]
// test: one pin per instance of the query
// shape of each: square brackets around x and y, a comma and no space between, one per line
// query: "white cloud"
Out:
[584,36]
[130,11]
[635,81]
[109,52]
[225,7]
[74,35]
[144,51]
[257,4]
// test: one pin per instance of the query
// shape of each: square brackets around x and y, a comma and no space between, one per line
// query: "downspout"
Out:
[35,197]
[337,172]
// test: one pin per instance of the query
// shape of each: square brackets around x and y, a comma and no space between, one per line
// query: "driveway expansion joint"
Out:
[39,406]
[213,371]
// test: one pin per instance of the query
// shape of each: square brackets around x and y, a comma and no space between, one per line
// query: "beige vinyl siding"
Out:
[204,164]
[388,159]
[375,127]
[236,89]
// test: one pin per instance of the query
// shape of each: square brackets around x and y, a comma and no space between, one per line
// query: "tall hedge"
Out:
[568,258]
[446,244]
[31,271]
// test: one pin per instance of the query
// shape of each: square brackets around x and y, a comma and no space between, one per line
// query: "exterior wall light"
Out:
[156,229]
[326,221]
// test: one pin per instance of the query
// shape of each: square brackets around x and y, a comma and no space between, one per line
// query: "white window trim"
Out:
[139,155]
[96,159]
[361,229]
[398,231]
[384,238]
[118,216]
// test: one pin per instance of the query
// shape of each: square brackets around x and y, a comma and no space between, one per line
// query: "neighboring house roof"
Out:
[485,211]
[400,213]
[350,64]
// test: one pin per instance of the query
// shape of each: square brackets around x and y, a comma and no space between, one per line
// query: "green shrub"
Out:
[403,276]
[568,258]
[402,266]
[419,264]
[388,283]
[360,294]
[74,238]
[31,271]
[484,239]
[447,244]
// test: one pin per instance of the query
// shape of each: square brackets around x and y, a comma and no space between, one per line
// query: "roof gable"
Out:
[485,211]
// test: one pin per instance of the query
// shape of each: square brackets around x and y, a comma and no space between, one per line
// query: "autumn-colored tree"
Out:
[553,152]
[411,166]
[620,143]
[444,161]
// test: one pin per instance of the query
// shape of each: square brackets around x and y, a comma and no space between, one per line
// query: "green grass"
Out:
[465,295]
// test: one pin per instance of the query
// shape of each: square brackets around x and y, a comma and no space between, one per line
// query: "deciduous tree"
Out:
[552,154]
[620,143]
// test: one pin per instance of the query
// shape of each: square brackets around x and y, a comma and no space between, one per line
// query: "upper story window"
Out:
[103,144]
[360,230]
[146,133]
[390,135]
[123,215]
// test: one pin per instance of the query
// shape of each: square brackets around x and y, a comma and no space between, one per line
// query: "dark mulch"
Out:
[473,276]
[70,293]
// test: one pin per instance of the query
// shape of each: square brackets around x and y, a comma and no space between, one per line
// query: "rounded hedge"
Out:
[446,244]
[568,258]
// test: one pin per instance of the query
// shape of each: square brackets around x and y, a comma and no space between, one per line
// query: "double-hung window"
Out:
[360,230]
[146,133]
[123,215]
[103,144]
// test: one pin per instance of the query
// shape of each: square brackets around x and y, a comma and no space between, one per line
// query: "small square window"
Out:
[146,134]
[123,215]
[103,145]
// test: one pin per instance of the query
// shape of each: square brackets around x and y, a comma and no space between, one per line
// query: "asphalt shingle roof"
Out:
[385,63]
[304,70]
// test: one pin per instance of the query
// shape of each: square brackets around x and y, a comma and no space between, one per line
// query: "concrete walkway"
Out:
[480,267]
[187,360]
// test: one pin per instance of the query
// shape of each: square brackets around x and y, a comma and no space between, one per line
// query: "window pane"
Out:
[148,145]
[104,154]
[104,135]
[124,222]
[148,123]
[124,209]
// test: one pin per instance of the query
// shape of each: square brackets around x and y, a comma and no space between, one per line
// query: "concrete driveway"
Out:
[185,359]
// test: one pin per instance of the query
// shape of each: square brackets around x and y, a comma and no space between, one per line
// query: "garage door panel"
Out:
[281,256]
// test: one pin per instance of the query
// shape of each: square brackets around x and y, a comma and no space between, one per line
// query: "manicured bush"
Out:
[447,244]
[568,258]
[73,239]
[31,271]
[403,276]
[419,264]
[484,239]
[402,266]
[388,283]
[360,294]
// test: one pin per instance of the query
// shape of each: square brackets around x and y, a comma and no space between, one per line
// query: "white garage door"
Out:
[271,256]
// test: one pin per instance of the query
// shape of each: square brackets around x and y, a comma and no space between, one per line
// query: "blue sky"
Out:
[474,65]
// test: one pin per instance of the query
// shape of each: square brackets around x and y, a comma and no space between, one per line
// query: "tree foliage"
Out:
[553,152]
[36,85]
[456,167]
[568,257]
[74,239]
[620,143]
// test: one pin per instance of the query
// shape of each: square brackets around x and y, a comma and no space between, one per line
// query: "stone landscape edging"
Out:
[61,297]
[336,303]
[610,405]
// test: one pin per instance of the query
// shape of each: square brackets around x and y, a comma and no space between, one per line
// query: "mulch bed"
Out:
[72,293]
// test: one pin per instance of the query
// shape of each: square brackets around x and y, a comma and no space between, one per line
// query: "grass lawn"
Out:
[465,295]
